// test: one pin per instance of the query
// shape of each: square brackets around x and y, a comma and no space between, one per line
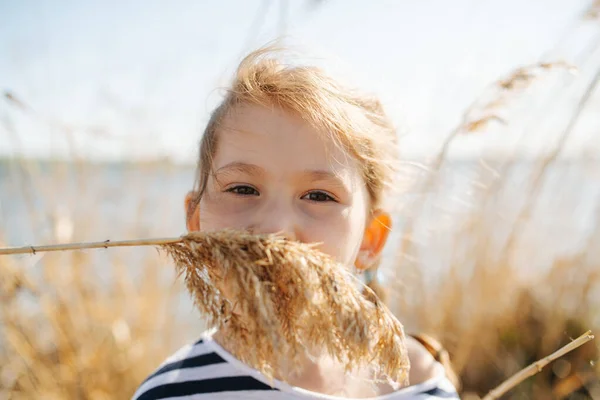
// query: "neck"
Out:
[319,373]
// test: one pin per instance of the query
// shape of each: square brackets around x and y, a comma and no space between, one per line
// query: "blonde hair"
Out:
[355,121]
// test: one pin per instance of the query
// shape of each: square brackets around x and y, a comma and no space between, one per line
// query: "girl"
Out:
[290,150]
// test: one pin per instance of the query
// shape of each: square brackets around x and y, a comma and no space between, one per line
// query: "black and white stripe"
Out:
[204,370]
[193,371]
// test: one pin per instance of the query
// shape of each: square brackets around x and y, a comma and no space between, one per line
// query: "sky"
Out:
[133,79]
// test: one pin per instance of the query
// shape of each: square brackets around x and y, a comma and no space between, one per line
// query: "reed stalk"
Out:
[536,367]
[88,245]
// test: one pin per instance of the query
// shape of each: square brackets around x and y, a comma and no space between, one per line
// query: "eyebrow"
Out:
[323,175]
[320,175]
[243,167]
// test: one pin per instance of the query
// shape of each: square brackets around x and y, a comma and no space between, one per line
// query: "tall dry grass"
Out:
[84,325]
[494,319]
[506,296]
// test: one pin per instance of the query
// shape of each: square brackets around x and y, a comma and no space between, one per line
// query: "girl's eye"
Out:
[318,197]
[243,190]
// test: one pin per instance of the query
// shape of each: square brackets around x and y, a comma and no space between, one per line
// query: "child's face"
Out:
[274,173]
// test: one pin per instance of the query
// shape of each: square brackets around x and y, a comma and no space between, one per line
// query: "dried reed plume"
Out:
[487,108]
[280,299]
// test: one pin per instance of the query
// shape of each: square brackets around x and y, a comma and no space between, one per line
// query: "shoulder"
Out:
[422,364]
[431,367]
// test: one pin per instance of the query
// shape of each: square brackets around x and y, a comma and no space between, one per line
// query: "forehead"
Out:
[280,141]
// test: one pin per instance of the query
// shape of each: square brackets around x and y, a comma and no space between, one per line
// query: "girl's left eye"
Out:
[318,196]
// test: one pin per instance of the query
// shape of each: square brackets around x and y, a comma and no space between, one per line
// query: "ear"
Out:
[192,216]
[375,236]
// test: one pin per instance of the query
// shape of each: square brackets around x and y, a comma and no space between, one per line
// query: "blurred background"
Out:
[496,244]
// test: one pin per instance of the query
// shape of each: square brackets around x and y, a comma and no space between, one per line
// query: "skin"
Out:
[274,173]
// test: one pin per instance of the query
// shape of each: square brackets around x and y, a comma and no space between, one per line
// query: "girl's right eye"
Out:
[243,190]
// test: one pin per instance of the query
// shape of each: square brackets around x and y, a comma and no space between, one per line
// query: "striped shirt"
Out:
[204,370]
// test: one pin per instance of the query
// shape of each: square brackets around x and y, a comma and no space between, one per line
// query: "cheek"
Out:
[221,212]
[341,236]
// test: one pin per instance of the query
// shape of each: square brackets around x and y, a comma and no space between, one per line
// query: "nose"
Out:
[275,218]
